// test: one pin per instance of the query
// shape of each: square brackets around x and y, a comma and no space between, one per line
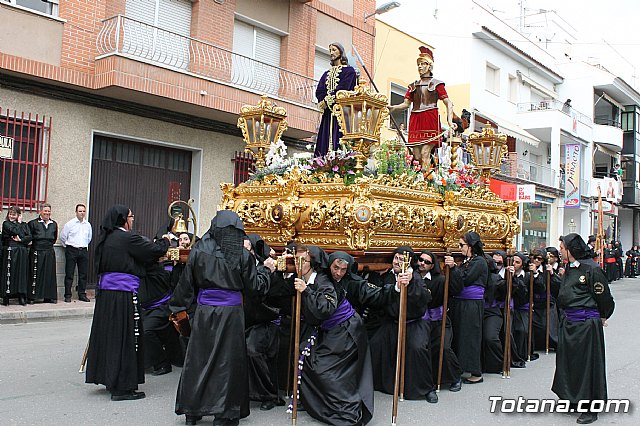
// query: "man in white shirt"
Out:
[76,236]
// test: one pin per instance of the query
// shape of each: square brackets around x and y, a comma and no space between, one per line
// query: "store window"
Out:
[535,226]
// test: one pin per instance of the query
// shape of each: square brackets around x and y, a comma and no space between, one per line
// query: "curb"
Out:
[26,316]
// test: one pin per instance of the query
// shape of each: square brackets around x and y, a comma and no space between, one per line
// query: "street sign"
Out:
[6,147]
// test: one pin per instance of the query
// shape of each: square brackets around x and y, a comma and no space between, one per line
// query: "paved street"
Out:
[40,384]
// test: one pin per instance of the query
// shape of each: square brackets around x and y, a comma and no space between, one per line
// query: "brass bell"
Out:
[180,226]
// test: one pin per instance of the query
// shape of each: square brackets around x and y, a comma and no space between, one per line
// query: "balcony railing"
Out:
[527,170]
[553,105]
[134,39]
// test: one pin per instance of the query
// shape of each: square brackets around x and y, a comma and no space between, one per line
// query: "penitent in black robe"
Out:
[115,358]
[337,383]
[580,358]
[418,379]
[214,378]
[467,314]
[451,370]
[15,259]
[43,284]
[540,314]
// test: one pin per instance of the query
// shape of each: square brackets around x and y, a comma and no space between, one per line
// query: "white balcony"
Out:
[529,171]
[608,136]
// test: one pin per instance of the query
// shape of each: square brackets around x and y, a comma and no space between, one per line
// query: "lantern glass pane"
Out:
[346,113]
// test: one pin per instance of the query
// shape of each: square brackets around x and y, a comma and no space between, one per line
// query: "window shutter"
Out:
[174,16]
[321,63]
[141,10]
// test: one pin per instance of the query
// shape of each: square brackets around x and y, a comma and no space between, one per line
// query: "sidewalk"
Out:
[38,312]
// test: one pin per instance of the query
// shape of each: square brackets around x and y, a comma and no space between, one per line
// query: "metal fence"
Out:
[137,40]
[553,105]
[25,168]
[527,170]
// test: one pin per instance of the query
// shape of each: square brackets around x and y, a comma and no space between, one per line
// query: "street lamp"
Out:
[572,226]
[360,115]
[382,9]
[261,126]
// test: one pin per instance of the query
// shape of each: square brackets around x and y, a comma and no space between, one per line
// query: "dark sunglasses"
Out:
[540,258]
[499,263]
[426,262]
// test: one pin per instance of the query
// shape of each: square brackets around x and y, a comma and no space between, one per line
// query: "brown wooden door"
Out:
[144,177]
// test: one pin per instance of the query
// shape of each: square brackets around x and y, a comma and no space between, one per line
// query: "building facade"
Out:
[136,101]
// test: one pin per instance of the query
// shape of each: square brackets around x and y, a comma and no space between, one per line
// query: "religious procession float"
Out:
[370,196]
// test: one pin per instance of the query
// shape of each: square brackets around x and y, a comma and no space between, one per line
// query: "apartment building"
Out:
[136,101]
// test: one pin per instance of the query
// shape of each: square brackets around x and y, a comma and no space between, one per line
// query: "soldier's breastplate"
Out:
[424,99]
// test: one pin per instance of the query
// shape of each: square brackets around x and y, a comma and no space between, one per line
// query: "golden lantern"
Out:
[487,149]
[360,115]
[261,126]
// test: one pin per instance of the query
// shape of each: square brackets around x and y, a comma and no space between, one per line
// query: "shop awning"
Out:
[511,129]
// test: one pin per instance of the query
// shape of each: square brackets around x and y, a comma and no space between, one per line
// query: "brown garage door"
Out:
[144,177]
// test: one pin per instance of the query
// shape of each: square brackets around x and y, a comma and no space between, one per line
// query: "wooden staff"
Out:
[402,329]
[296,346]
[548,330]
[530,334]
[443,328]
[291,342]
[506,359]
[83,362]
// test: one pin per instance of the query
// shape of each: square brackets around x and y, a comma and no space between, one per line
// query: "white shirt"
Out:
[76,234]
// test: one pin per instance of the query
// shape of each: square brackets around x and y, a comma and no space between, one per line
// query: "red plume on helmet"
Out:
[425,53]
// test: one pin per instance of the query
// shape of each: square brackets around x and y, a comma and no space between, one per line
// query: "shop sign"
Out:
[513,192]
[6,147]
[572,176]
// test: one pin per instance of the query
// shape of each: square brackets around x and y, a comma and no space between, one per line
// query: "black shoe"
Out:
[518,364]
[31,301]
[472,382]
[127,396]
[432,397]
[456,386]
[192,420]
[22,300]
[166,369]
[587,418]
[50,301]
[534,356]
[5,301]
[280,402]
[83,298]
[67,299]
[267,405]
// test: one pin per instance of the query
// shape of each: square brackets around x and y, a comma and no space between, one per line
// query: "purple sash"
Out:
[219,297]
[524,307]
[119,281]
[472,292]
[581,314]
[168,268]
[277,321]
[343,313]
[434,314]
[157,304]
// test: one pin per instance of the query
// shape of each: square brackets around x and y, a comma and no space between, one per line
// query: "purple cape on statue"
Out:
[335,79]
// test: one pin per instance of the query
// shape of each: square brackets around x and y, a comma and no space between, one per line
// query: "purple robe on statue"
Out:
[341,77]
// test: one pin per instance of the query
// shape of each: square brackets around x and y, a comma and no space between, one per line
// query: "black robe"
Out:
[467,315]
[337,384]
[520,318]
[418,378]
[214,378]
[161,340]
[492,328]
[580,358]
[15,259]
[116,349]
[43,260]
[540,314]
[451,370]
[262,321]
